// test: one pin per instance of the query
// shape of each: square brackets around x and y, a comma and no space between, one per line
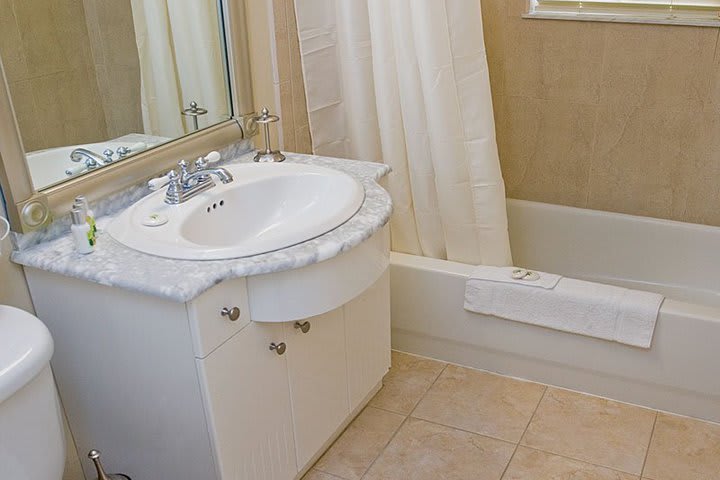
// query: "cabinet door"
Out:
[367,332]
[318,381]
[247,402]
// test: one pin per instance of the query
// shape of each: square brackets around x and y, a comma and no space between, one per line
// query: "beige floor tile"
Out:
[481,402]
[529,464]
[351,455]
[406,382]
[592,429]
[427,451]
[683,448]
[318,475]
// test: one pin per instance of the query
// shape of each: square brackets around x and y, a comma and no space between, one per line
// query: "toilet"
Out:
[32,442]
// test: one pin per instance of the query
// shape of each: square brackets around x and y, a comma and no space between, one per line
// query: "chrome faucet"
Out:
[89,157]
[185,184]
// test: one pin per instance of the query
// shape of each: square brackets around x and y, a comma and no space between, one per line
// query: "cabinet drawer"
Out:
[211,315]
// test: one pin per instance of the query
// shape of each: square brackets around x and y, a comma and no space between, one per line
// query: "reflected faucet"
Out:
[88,156]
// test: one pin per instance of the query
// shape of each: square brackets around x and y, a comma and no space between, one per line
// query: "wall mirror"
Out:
[95,81]
[94,84]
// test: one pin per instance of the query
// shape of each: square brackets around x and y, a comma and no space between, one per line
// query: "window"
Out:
[683,12]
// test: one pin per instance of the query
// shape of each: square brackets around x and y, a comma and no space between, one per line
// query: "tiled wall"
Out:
[116,62]
[74,78]
[608,116]
[294,117]
[48,62]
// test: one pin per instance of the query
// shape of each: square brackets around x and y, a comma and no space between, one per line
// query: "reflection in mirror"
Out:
[95,81]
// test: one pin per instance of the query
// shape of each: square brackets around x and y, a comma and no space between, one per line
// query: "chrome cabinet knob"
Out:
[278,347]
[232,313]
[303,326]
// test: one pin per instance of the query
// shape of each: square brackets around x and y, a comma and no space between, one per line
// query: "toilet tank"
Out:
[32,445]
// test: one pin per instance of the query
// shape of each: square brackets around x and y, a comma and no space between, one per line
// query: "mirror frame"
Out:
[29,209]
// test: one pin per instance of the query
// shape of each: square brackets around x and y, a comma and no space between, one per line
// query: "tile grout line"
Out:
[377,457]
[586,462]
[422,397]
[549,452]
[647,452]
[385,409]
[517,445]
[459,429]
[380,454]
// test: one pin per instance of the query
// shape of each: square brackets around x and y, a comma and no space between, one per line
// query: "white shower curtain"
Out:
[406,82]
[180,61]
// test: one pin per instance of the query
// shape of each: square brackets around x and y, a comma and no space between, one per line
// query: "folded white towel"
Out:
[576,306]
[517,275]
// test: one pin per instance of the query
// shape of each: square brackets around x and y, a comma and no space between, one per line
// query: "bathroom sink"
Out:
[267,207]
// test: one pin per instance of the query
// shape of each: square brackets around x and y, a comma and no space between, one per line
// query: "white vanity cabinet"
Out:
[194,391]
[247,403]
[318,376]
[272,414]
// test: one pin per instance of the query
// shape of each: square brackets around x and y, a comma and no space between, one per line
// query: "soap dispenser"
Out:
[94,455]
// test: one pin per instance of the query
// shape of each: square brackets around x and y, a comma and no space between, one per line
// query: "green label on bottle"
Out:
[91,237]
[91,221]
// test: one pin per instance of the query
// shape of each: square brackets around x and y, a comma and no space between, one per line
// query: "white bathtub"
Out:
[680,373]
[48,167]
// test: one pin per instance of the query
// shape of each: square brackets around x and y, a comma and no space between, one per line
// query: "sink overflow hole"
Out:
[215,206]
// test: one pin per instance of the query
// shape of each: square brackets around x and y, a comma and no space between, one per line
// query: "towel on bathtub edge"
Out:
[586,308]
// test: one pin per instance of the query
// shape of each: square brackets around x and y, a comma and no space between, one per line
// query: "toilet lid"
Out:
[25,349]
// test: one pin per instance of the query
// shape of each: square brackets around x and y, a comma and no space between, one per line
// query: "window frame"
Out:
[606,12]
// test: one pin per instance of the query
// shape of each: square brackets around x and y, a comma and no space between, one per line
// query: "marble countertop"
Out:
[115,265]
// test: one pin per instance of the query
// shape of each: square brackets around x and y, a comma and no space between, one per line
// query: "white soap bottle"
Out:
[82,233]
[82,203]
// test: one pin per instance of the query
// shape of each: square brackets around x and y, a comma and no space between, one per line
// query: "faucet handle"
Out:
[159,182]
[202,162]
[212,157]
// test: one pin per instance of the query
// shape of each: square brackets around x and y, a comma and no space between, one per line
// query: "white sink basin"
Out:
[267,207]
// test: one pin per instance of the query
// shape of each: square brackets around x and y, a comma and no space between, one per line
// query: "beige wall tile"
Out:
[615,117]
[54,35]
[683,448]
[303,140]
[529,464]
[591,429]
[406,382]
[546,149]
[26,115]
[494,13]
[554,59]
[77,63]
[11,47]
[293,106]
[480,402]
[68,108]
[287,120]
[426,451]
[282,47]
[352,453]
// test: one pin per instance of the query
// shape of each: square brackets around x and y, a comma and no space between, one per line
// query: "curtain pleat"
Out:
[180,61]
[406,82]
